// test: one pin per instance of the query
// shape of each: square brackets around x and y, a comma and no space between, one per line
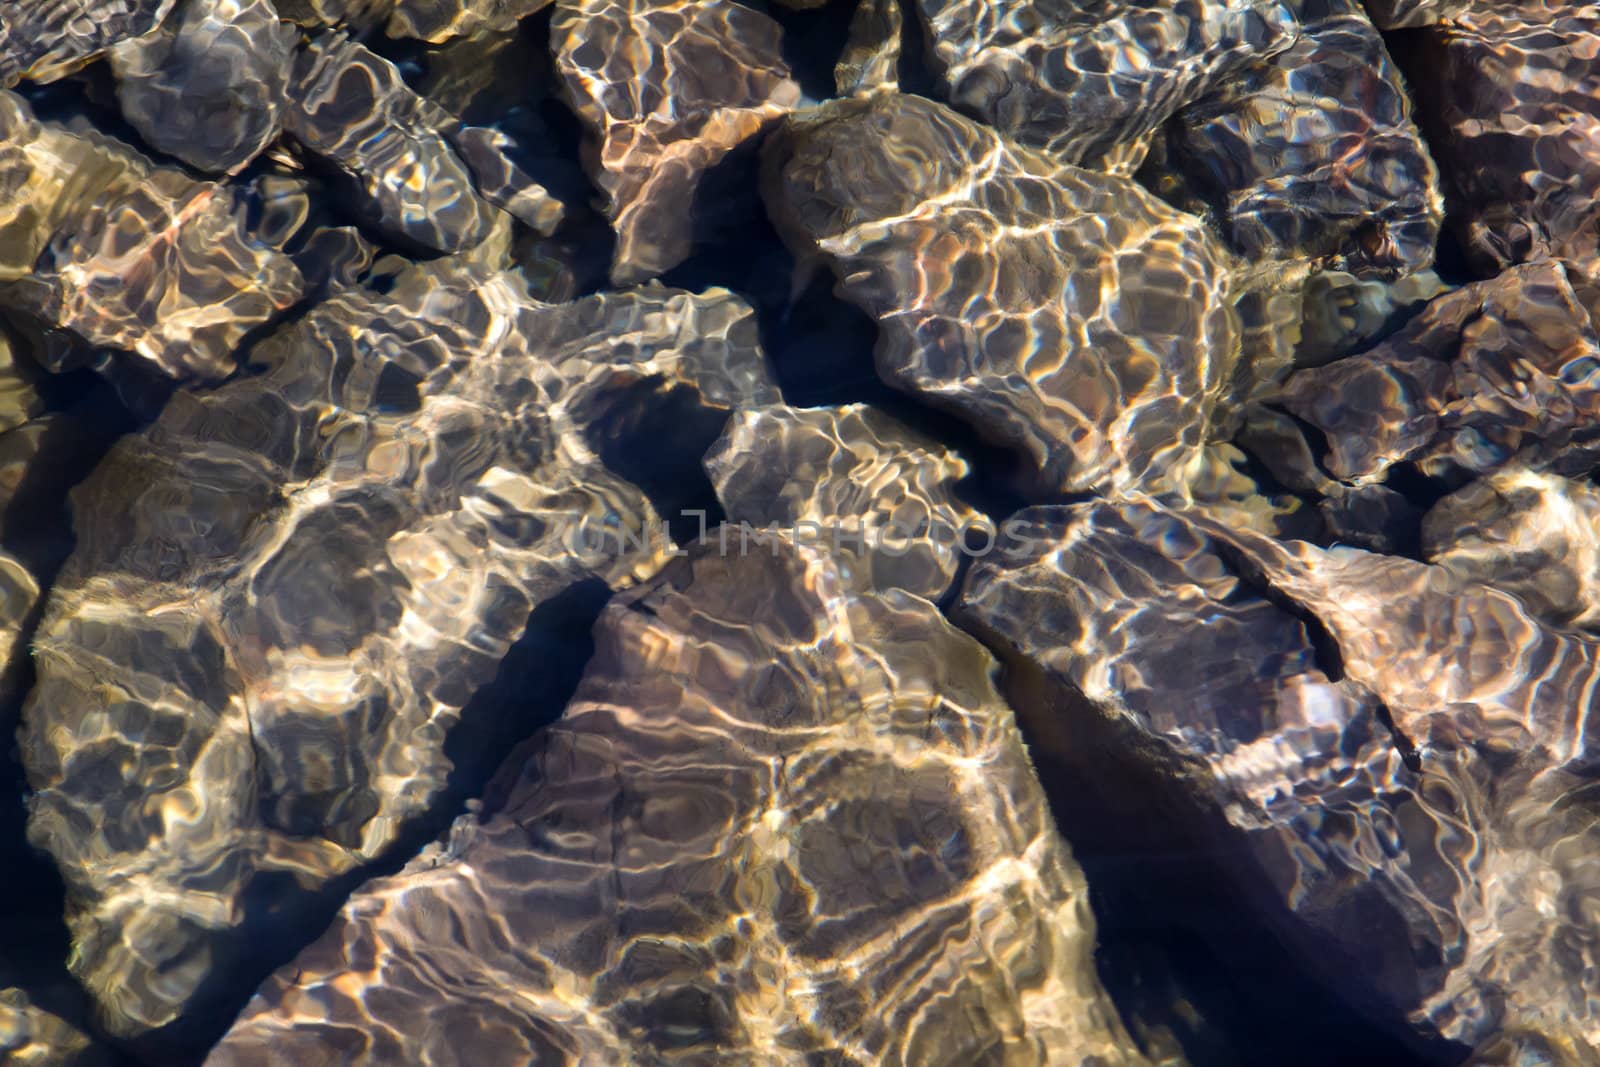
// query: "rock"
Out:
[44,40]
[1066,313]
[1509,92]
[1172,648]
[871,58]
[33,1037]
[1534,535]
[290,213]
[285,592]
[1225,489]
[96,240]
[1497,706]
[876,494]
[418,170]
[1081,77]
[209,87]
[782,821]
[1496,369]
[668,91]
[442,20]
[1314,154]
[1344,314]
[1401,14]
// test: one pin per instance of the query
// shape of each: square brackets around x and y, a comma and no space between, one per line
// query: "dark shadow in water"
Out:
[812,41]
[655,436]
[535,681]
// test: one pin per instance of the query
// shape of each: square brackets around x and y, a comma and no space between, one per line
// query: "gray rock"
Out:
[1496,370]
[44,40]
[1314,154]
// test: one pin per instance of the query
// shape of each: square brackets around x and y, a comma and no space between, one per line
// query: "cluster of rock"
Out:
[1308,547]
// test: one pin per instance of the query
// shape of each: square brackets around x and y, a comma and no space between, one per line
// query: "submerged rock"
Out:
[875,493]
[209,87]
[781,821]
[667,90]
[1314,154]
[1498,707]
[1065,312]
[353,108]
[285,592]
[1343,314]
[44,40]
[1173,648]
[1082,77]
[1532,534]
[1400,14]
[442,20]
[1512,95]
[96,240]
[33,1037]
[1495,370]
[871,57]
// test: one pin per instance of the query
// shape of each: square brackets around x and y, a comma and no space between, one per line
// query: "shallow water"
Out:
[919,532]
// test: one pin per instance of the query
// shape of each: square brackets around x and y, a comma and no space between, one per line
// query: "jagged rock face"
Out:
[43,40]
[285,592]
[1535,535]
[1493,370]
[1082,77]
[1067,313]
[1509,91]
[876,494]
[418,170]
[667,89]
[1173,642]
[209,87]
[781,821]
[1400,14]
[1351,186]
[871,57]
[97,241]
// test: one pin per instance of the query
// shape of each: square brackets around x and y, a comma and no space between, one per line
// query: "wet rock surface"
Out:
[668,89]
[128,255]
[1083,77]
[880,497]
[209,87]
[1351,185]
[1094,560]
[781,821]
[1362,797]
[332,556]
[1064,312]
[1495,370]
[42,40]
[353,108]
[1509,93]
